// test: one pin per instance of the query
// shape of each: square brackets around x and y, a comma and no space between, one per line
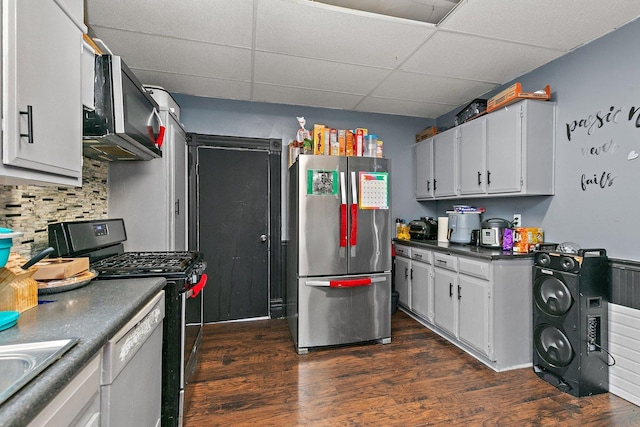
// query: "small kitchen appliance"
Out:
[101,241]
[492,232]
[461,224]
[423,229]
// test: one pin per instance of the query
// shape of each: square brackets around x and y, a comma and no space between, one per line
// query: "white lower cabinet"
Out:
[482,306]
[421,283]
[78,404]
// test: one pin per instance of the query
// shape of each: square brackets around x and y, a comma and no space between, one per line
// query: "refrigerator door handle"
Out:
[346,283]
[343,212]
[353,238]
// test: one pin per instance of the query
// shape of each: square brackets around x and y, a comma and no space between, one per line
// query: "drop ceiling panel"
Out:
[556,24]
[316,74]
[476,58]
[215,21]
[198,86]
[306,97]
[179,56]
[423,88]
[324,32]
[404,108]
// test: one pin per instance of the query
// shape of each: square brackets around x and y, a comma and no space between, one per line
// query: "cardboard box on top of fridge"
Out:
[525,239]
[349,143]
[318,139]
[427,133]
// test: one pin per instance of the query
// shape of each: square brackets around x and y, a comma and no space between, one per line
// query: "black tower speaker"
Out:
[570,320]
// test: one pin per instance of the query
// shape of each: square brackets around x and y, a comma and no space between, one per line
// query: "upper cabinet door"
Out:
[42,102]
[444,167]
[423,168]
[504,150]
[473,176]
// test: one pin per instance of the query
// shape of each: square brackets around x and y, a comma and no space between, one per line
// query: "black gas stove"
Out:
[102,242]
[171,265]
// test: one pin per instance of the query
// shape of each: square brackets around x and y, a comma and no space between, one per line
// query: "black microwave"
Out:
[125,123]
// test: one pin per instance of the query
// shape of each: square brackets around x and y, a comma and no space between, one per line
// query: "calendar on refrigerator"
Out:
[374,190]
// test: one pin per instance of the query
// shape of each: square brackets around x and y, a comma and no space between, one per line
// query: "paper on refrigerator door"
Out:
[374,190]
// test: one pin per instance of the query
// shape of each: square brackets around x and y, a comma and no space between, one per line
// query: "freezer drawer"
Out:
[343,310]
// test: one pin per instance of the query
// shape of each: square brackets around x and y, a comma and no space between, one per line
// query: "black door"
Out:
[233,231]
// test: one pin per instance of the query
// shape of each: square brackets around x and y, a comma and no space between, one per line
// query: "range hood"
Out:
[125,124]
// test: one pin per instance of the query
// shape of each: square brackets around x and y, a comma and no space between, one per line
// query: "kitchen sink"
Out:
[20,363]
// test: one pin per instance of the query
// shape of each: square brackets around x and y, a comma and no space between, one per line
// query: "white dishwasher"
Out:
[131,387]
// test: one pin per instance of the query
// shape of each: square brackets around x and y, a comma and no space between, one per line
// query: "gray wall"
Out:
[592,81]
[261,120]
[585,83]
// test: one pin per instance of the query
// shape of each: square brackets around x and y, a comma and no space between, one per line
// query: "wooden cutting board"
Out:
[60,268]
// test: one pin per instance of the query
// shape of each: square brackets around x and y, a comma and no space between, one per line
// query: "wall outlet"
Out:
[517,220]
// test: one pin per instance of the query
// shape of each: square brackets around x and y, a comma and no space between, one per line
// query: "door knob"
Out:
[263,238]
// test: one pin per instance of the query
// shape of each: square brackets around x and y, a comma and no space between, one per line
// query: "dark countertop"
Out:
[465,250]
[93,313]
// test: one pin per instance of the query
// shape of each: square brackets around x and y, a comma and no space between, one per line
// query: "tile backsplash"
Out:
[30,209]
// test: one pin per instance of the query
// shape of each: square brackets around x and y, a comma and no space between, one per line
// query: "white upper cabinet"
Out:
[41,94]
[423,167]
[521,149]
[444,165]
[472,160]
[509,152]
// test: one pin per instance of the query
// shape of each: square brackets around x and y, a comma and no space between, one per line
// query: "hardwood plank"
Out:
[250,374]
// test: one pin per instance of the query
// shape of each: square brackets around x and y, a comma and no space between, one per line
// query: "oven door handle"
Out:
[193,292]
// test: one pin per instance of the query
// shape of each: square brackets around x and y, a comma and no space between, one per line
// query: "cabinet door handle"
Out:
[29,114]
[479,178]
[428,185]
[412,274]
[459,292]
[488,177]
[450,289]
[406,272]
[434,184]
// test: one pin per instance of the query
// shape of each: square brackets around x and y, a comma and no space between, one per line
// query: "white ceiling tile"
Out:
[198,86]
[562,24]
[316,74]
[402,107]
[215,21]
[423,88]
[305,28]
[180,56]
[307,97]
[476,58]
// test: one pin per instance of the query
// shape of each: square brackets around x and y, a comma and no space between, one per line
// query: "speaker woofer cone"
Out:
[552,296]
[553,346]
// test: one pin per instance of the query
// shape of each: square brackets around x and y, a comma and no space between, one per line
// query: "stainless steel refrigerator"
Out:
[339,253]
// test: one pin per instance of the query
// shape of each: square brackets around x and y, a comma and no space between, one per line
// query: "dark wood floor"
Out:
[249,374]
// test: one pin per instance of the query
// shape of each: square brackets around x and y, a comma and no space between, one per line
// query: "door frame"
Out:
[274,149]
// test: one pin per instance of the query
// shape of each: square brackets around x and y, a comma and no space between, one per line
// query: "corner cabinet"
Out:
[41,92]
[482,306]
[509,152]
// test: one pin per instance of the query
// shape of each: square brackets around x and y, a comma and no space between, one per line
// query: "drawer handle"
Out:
[442,261]
[29,114]
[419,256]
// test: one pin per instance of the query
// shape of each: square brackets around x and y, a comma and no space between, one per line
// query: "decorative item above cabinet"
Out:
[509,152]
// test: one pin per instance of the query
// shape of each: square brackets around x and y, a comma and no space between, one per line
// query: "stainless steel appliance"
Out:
[339,256]
[125,123]
[492,232]
[461,224]
[423,229]
[102,241]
